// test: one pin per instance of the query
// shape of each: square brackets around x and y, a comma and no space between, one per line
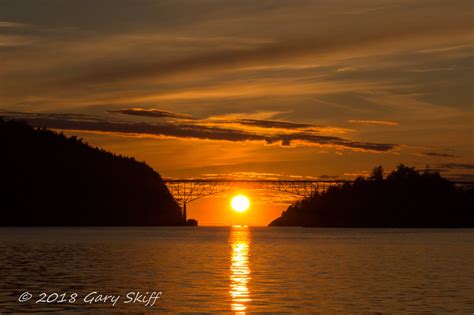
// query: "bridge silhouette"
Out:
[185,191]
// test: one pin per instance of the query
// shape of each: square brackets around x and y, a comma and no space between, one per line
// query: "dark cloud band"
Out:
[155,113]
[192,131]
[463,166]
[443,155]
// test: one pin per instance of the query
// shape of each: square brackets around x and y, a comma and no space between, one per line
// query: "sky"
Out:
[251,89]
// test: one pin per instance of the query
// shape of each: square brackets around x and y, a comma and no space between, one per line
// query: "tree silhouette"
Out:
[47,178]
[405,198]
[377,174]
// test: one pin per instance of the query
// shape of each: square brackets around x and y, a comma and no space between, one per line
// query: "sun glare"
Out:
[240,203]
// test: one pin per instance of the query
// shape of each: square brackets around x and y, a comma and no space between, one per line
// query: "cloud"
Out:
[145,55]
[15,40]
[232,121]
[442,49]
[155,113]
[260,123]
[186,130]
[464,166]
[357,174]
[247,176]
[259,115]
[326,48]
[215,120]
[443,155]
[375,122]
[8,24]
[328,177]
[462,177]
[273,124]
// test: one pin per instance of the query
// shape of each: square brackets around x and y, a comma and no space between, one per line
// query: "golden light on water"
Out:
[239,269]
[240,203]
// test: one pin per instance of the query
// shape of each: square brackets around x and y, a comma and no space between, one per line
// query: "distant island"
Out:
[48,179]
[405,198]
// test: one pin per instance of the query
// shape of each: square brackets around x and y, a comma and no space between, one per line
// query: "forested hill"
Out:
[48,179]
[405,198]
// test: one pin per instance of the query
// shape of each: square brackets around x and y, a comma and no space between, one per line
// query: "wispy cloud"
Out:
[357,174]
[8,24]
[259,115]
[143,112]
[15,40]
[442,49]
[442,155]
[375,122]
[461,177]
[328,177]
[326,47]
[232,121]
[273,124]
[461,166]
[255,176]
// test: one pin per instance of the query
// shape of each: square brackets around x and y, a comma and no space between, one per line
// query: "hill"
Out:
[405,198]
[48,179]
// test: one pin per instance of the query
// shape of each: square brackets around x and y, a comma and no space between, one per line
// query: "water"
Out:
[240,269]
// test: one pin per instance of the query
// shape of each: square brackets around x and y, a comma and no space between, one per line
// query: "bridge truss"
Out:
[187,190]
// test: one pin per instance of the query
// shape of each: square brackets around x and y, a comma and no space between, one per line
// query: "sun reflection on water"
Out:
[239,269]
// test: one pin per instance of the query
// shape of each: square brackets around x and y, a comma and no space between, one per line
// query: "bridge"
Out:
[185,191]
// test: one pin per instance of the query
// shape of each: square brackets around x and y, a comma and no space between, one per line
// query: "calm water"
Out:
[241,269]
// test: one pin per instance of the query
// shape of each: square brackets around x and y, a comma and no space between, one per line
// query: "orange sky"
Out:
[217,211]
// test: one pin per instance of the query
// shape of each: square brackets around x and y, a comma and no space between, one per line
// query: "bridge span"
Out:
[187,190]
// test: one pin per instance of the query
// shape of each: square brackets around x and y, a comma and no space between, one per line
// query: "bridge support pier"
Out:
[184,213]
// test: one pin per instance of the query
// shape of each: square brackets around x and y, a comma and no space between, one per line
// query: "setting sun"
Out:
[240,203]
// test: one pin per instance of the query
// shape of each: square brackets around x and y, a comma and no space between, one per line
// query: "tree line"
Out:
[406,197]
[47,178]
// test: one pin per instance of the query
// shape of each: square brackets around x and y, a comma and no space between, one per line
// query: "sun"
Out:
[240,203]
